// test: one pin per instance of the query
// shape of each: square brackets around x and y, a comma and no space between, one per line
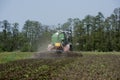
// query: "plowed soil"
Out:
[54,54]
[87,67]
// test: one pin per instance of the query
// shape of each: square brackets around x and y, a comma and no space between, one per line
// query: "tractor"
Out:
[61,41]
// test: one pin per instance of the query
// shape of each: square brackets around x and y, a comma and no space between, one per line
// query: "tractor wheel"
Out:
[71,48]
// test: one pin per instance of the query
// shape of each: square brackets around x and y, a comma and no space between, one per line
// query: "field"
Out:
[12,56]
[91,66]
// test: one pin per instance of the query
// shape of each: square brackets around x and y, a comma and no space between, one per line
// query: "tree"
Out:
[79,35]
[6,36]
[88,26]
[15,36]
[67,25]
[117,28]
[32,30]
[100,32]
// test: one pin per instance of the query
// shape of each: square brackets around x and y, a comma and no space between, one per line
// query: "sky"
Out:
[53,12]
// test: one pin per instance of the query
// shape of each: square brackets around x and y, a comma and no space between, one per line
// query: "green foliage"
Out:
[26,47]
[1,49]
[96,33]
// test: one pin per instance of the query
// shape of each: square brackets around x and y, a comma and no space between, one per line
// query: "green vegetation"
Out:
[93,33]
[105,66]
[11,56]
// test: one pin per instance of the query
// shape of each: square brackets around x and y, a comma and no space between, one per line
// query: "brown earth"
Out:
[54,54]
[87,67]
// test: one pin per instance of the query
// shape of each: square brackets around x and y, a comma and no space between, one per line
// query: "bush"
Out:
[1,50]
[26,47]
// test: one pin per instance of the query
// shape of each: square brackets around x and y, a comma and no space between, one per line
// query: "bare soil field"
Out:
[85,67]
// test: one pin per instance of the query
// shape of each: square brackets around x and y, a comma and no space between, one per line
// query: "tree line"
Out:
[33,34]
[93,33]
[97,33]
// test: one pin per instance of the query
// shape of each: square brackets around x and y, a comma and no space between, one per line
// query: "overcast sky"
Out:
[52,12]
